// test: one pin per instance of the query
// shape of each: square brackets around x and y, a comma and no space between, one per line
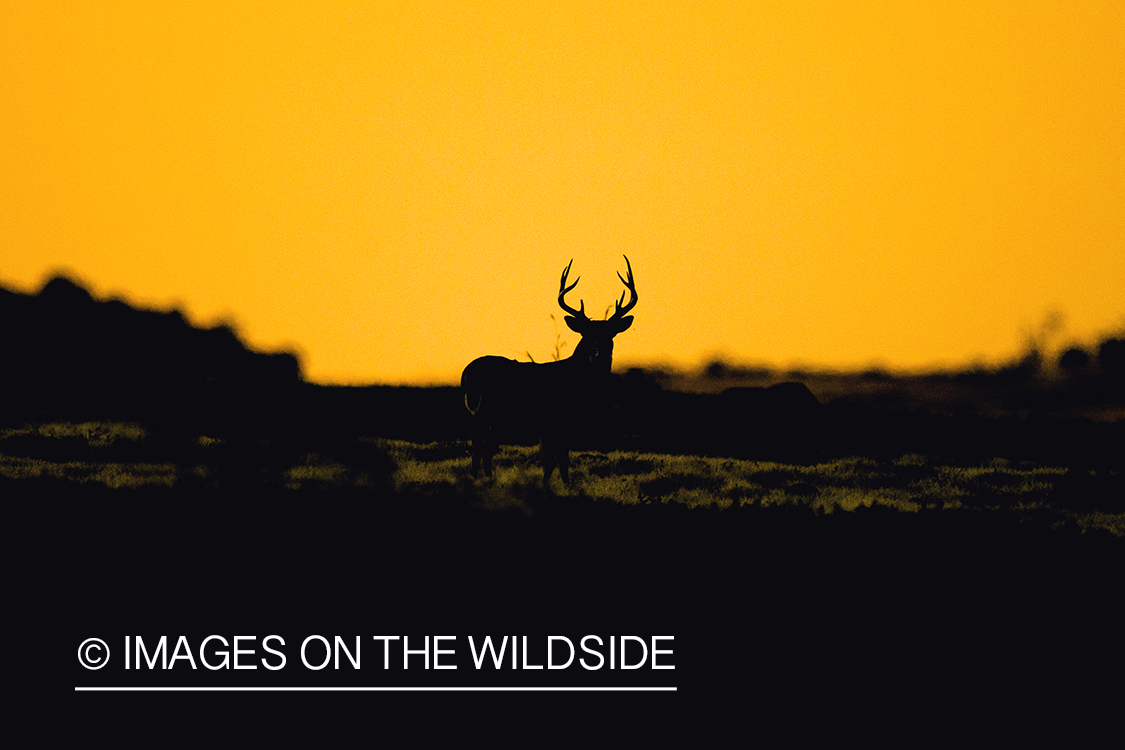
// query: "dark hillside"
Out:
[66,352]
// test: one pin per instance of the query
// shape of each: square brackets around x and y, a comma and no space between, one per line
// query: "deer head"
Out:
[596,346]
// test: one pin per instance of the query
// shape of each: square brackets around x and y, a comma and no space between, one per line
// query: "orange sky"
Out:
[395,190]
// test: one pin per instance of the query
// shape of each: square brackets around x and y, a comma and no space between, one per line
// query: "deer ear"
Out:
[622,324]
[573,323]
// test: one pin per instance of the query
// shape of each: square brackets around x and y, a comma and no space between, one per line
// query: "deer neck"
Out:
[592,356]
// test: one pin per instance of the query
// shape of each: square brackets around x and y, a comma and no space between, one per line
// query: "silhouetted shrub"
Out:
[66,349]
[65,295]
[1111,357]
[716,368]
[1074,360]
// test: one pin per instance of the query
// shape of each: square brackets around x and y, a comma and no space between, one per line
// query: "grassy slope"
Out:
[123,456]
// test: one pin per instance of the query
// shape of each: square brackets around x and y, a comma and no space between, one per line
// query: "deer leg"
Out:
[548,458]
[488,450]
[563,459]
[475,447]
[480,436]
[476,457]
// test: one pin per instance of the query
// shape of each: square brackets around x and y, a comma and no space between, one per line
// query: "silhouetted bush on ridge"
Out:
[1111,358]
[64,347]
[1074,360]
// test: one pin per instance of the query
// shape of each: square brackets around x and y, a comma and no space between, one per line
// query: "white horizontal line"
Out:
[369,689]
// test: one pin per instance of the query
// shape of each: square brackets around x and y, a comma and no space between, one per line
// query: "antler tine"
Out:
[630,286]
[563,289]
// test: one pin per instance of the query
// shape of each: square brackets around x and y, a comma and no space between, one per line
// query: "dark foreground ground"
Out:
[776,611]
[879,615]
[964,624]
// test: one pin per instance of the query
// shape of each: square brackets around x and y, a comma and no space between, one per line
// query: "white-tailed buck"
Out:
[545,399]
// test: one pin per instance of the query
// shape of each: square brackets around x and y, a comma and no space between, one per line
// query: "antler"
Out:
[622,307]
[563,289]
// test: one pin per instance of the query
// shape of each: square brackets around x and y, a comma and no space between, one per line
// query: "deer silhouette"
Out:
[546,398]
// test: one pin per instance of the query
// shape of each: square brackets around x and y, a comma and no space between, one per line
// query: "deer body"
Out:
[545,400]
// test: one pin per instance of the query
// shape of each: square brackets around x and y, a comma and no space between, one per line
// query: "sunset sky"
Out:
[392,189]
